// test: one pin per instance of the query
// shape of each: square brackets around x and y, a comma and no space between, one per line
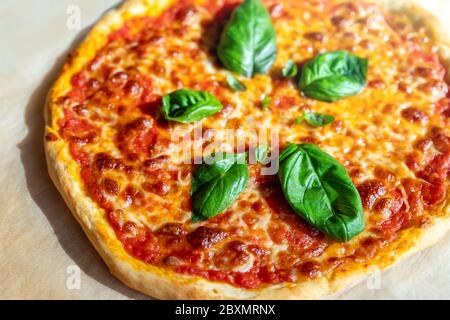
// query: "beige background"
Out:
[39,239]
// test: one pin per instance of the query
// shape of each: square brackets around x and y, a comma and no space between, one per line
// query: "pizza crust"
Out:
[166,284]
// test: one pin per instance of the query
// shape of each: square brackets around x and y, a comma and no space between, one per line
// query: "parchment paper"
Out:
[42,248]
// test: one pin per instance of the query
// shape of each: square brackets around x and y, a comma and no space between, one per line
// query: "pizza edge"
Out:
[166,284]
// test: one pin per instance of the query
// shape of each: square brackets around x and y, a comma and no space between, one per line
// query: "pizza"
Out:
[275,149]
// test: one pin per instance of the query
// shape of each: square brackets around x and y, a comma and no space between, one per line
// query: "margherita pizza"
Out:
[277,149]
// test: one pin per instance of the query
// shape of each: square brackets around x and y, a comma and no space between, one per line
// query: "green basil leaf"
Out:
[248,42]
[265,103]
[290,70]
[320,190]
[318,119]
[216,185]
[189,106]
[299,119]
[261,153]
[334,75]
[215,165]
[235,84]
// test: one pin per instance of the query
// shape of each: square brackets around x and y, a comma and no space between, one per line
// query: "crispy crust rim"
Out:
[166,284]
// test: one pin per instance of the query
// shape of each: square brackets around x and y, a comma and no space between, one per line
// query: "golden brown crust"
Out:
[165,284]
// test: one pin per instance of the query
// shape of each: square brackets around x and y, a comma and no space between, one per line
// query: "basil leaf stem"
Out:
[235,84]
[265,103]
[299,119]
[290,70]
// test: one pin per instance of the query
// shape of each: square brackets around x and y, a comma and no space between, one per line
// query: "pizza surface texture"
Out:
[113,156]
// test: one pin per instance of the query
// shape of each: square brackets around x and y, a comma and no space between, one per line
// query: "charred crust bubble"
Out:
[440,139]
[205,237]
[110,186]
[51,137]
[315,36]
[172,229]
[185,13]
[371,191]
[414,115]
[156,163]
[105,162]
[160,188]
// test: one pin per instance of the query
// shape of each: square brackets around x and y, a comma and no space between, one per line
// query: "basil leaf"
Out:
[214,166]
[334,75]
[299,119]
[235,83]
[265,103]
[189,106]
[248,42]
[318,119]
[320,190]
[261,153]
[290,70]
[215,186]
